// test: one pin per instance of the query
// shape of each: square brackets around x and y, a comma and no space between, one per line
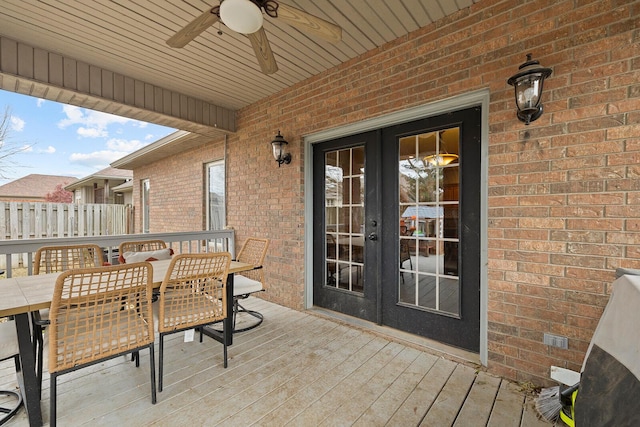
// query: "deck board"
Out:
[396,394]
[447,405]
[479,403]
[421,399]
[352,409]
[507,409]
[296,369]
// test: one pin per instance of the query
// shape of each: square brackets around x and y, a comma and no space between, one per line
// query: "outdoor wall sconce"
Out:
[280,150]
[528,86]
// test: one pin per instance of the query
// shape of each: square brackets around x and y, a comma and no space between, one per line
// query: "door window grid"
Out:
[344,219]
[428,237]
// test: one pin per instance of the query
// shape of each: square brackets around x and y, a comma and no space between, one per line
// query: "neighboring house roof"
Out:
[124,187]
[172,144]
[99,177]
[34,186]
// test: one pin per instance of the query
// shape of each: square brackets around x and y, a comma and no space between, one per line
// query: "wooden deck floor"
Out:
[296,369]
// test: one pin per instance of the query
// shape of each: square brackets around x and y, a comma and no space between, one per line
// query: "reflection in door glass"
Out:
[344,219]
[428,231]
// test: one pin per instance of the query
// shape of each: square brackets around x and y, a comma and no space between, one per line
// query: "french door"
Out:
[397,227]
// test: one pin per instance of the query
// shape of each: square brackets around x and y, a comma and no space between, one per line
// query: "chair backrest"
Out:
[405,253]
[193,292]
[99,312]
[54,259]
[139,246]
[253,251]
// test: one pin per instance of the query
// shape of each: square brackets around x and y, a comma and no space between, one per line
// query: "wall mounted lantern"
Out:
[280,150]
[528,86]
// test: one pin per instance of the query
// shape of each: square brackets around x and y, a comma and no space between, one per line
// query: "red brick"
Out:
[563,192]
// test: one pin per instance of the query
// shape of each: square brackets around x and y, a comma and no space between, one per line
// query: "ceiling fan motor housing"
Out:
[241,16]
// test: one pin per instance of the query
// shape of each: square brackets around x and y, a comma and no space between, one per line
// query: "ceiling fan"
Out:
[245,17]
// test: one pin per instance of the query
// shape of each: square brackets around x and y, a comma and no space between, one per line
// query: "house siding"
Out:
[563,192]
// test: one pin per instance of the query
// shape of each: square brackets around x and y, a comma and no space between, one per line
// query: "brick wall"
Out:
[177,189]
[563,191]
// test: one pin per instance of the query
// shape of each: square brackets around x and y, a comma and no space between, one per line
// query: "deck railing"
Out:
[19,253]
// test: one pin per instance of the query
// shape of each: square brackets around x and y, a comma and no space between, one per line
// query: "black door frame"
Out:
[476,98]
[462,331]
[365,306]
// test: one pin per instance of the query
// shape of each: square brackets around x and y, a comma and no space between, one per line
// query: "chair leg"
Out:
[11,402]
[239,308]
[39,361]
[235,311]
[38,346]
[52,400]
[11,399]
[224,341]
[160,360]
[152,368]
[16,360]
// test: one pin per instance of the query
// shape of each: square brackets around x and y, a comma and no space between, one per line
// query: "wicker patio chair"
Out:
[405,255]
[97,314]
[55,259]
[192,294]
[11,400]
[144,248]
[253,252]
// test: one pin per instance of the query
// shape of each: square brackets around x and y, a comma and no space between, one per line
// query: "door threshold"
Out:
[440,349]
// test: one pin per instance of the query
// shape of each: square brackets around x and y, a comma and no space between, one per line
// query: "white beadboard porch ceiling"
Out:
[129,37]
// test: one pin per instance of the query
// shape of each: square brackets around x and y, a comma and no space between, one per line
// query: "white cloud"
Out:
[92,124]
[124,145]
[100,159]
[17,124]
[27,148]
[116,149]
[39,102]
[92,132]
[148,136]
[49,150]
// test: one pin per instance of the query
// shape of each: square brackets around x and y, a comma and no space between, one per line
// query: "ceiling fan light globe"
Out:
[241,16]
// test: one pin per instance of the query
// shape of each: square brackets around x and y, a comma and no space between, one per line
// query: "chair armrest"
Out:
[39,320]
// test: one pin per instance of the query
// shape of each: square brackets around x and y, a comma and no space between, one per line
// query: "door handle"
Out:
[372,236]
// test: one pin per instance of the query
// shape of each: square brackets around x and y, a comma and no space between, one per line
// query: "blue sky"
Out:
[60,139]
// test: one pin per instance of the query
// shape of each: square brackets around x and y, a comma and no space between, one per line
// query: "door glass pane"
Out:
[344,219]
[428,207]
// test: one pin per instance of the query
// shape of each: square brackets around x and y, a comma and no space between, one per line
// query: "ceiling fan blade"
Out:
[263,51]
[309,23]
[193,29]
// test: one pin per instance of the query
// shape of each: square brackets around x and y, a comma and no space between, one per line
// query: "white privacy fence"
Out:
[37,220]
[33,220]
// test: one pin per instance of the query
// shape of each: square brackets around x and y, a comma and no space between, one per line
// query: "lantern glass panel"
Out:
[528,90]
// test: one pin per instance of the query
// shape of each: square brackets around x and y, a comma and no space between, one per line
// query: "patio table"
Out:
[22,295]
